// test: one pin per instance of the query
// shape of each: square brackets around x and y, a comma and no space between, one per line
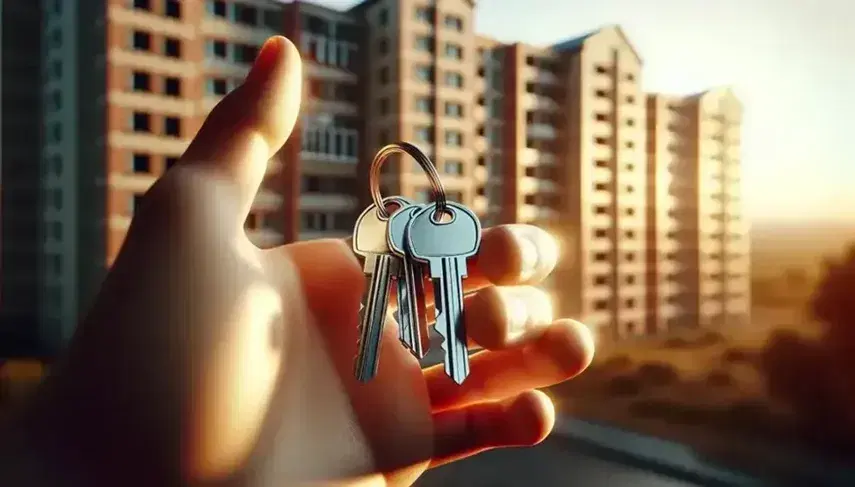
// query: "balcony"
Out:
[328,58]
[541,131]
[533,213]
[332,106]
[541,103]
[480,173]
[481,145]
[327,202]
[534,185]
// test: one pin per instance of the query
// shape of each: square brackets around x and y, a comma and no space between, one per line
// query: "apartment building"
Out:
[554,136]
[20,149]
[603,154]
[698,237]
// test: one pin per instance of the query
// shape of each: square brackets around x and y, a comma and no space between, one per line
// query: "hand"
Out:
[205,358]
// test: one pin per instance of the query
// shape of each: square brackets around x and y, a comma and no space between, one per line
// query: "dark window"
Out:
[220,86]
[172,47]
[171,161]
[141,81]
[245,14]
[245,53]
[172,126]
[220,49]
[383,46]
[142,4]
[172,86]
[173,9]
[219,8]
[142,41]
[383,18]
[142,163]
[142,122]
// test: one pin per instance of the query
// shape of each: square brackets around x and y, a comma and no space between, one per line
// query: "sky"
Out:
[792,62]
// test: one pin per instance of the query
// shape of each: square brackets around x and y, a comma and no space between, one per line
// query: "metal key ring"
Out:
[426,165]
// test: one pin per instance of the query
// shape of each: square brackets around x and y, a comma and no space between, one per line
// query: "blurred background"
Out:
[690,157]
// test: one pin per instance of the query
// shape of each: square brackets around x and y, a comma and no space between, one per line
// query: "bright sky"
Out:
[791,61]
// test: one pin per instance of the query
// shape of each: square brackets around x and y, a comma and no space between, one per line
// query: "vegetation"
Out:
[788,377]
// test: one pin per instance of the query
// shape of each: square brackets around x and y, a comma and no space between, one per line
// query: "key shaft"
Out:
[372,316]
[413,312]
[447,275]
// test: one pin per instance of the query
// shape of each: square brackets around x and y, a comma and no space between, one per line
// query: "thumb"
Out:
[252,122]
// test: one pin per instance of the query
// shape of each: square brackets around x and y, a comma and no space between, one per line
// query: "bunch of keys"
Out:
[402,246]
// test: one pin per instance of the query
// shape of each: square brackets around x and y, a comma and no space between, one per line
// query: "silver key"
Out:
[412,312]
[444,246]
[370,241]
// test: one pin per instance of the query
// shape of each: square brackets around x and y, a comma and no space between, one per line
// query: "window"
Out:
[453,138]
[217,49]
[453,51]
[384,75]
[601,233]
[141,163]
[170,161]
[601,187]
[424,73]
[601,280]
[454,79]
[172,126]
[383,106]
[217,8]
[601,257]
[55,100]
[141,41]
[218,86]
[383,46]
[600,210]
[425,14]
[454,167]
[172,86]
[454,23]
[246,14]
[454,110]
[172,47]
[424,104]
[56,38]
[142,4]
[141,81]
[383,17]
[56,68]
[141,122]
[424,43]
[57,164]
[173,9]
[424,134]
[245,53]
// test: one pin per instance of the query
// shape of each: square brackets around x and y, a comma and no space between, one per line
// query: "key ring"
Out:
[426,165]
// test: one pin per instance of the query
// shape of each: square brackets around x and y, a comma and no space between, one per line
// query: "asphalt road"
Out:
[550,464]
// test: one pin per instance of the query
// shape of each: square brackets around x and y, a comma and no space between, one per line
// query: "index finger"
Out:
[514,254]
